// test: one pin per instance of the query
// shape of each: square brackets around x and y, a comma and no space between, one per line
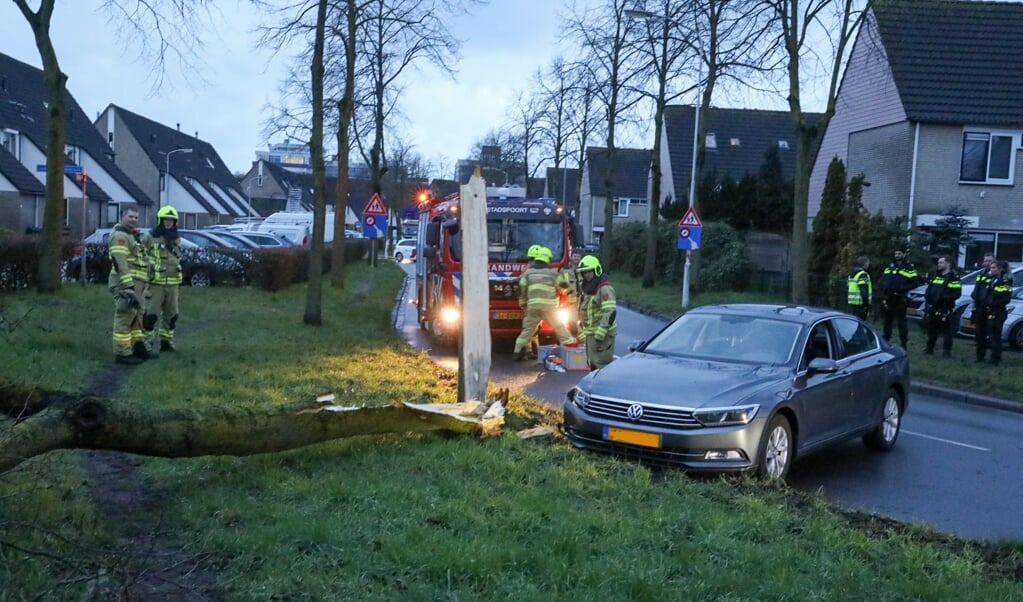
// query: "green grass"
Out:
[425,516]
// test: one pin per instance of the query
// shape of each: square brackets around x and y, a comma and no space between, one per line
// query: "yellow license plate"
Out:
[506,315]
[633,437]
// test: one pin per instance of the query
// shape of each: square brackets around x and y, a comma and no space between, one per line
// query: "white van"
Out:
[298,235]
[299,218]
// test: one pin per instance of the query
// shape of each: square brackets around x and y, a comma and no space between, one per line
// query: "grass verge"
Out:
[417,517]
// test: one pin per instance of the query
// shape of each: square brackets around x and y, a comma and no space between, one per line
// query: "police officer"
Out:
[995,297]
[129,274]
[897,279]
[537,296]
[942,291]
[165,258]
[979,317]
[597,314]
[861,289]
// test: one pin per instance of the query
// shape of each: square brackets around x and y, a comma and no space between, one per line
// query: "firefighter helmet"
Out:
[543,254]
[533,250]
[590,264]
[167,212]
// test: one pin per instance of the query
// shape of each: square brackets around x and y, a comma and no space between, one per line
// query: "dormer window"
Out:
[733,142]
[783,144]
[711,141]
[9,142]
[71,153]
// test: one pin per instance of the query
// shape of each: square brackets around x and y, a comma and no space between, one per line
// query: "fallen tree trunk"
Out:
[45,421]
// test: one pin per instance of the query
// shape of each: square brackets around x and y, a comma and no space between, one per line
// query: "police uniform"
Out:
[129,273]
[940,297]
[979,317]
[995,297]
[897,280]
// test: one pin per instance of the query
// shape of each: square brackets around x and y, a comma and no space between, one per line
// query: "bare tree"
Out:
[554,94]
[604,34]
[163,29]
[797,22]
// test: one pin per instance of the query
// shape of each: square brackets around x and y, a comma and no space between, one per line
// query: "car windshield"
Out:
[728,337]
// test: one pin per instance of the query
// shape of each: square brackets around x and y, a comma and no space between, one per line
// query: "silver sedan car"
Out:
[743,388]
[1012,329]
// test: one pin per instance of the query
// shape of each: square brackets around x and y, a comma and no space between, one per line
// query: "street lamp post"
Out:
[166,172]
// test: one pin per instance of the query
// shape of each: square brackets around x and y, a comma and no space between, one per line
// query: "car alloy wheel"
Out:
[776,449]
[883,436]
[398,257]
[200,278]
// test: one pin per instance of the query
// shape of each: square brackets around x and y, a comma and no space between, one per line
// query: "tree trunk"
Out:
[49,420]
[314,293]
[345,108]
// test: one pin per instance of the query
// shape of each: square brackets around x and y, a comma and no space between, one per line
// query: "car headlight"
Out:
[726,416]
[579,397]
[449,315]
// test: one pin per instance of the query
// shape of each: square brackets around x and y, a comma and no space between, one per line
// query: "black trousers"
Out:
[895,311]
[940,323]
[860,311]
[994,322]
[980,329]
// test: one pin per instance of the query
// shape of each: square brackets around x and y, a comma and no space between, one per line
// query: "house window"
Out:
[988,157]
[783,144]
[71,152]
[711,141]
[9,141]
[259,181]
[637,201]
[733,142]
[621,207]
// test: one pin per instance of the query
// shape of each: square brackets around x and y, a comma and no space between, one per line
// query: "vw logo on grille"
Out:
[635,412]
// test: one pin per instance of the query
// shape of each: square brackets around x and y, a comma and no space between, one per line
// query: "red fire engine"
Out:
[514,223]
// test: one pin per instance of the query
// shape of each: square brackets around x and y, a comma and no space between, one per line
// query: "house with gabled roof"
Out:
[273,187]
[93,198]
[179,169]
[930,110]
[631,179]
[736,144]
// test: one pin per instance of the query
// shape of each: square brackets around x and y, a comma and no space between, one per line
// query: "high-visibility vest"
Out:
[854,282]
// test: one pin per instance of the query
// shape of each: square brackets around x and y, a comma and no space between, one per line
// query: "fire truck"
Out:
[514,223]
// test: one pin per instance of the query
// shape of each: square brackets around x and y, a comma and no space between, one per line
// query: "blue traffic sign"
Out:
[374,226]
[689,237]
[68,169]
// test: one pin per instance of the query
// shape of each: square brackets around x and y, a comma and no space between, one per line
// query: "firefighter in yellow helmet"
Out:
[129,275]
[598,311]
[161,315]
[537,296]
[568,280]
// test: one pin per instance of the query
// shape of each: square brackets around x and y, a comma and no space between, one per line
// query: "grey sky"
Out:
[505,43]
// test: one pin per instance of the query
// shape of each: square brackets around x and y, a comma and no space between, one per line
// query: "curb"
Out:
[967,397]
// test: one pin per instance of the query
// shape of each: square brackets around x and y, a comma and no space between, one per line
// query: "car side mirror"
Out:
[822,364]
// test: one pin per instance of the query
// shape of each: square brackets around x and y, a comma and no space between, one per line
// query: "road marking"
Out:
[949,441]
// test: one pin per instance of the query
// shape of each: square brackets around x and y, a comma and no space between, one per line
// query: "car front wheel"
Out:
[398,257]
[199,278]
[776,449]
[883,437]
[1016,336]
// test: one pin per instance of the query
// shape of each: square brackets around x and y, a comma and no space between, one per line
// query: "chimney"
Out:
[179,127]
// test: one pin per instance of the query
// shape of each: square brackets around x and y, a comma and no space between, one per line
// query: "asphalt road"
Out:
[955,467]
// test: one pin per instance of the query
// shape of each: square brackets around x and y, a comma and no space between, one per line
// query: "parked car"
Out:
[264,239]
[916,309]
[200,266]
[406,248]
[743,388]
[236,240]
[211,238]
[297,235]
[1012,330]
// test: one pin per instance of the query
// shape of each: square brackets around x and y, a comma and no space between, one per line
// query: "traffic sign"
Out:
[691,219]
[68,169]
[374,226]
[375,206]
[689,237]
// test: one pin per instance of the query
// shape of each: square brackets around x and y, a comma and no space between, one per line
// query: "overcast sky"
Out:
[505,43]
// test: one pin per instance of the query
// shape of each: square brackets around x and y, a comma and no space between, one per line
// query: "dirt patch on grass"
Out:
[146,562]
